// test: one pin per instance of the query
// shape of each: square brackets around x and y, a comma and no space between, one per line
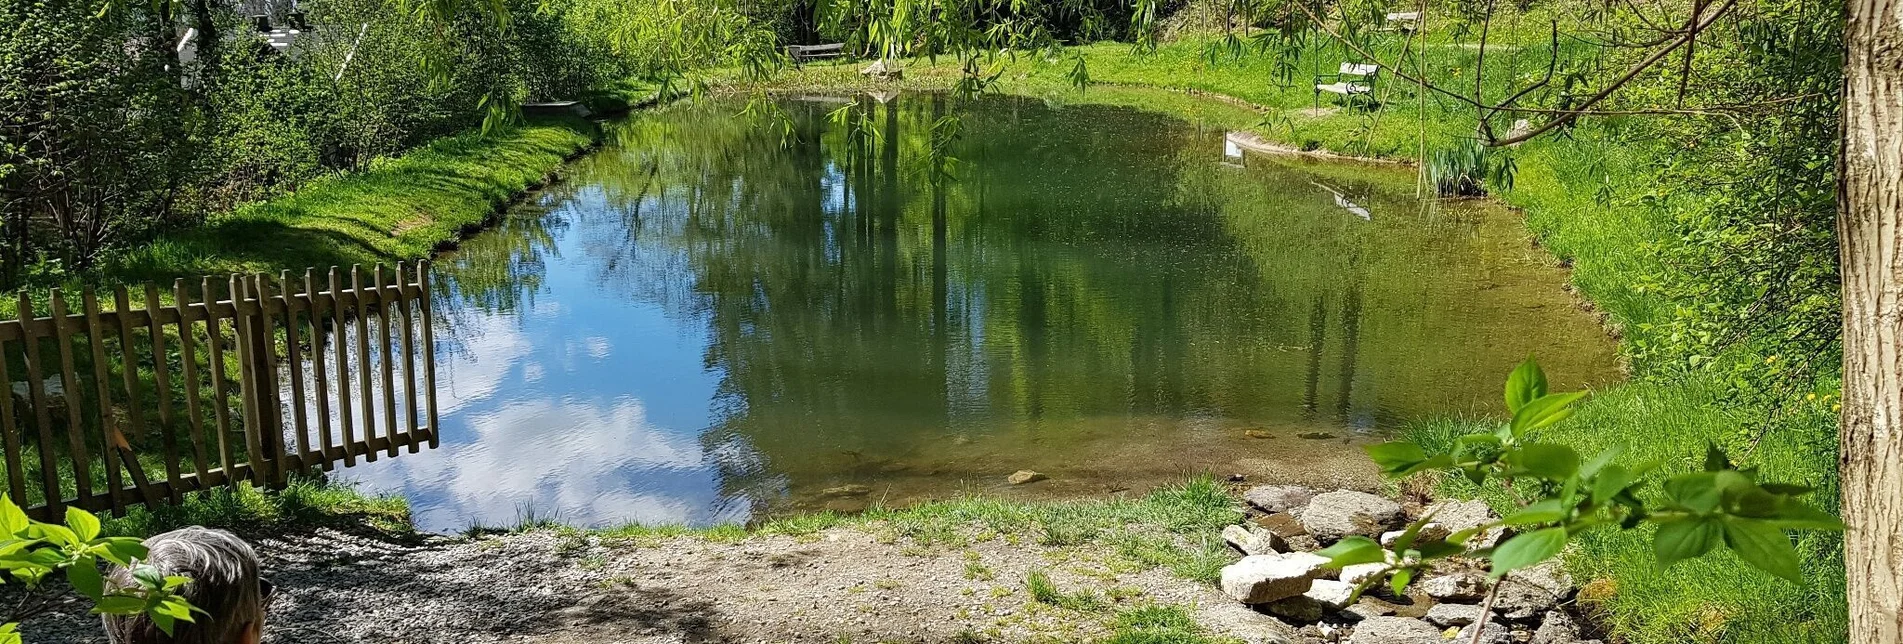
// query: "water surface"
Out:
[714,317]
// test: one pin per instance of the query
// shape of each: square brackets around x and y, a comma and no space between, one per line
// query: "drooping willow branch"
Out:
[1564,115]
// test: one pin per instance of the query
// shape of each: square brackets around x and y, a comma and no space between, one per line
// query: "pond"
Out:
[722,315]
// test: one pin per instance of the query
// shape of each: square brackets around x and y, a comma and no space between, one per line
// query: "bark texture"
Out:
[1870,195]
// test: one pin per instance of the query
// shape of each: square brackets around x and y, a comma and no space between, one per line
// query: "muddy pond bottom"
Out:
[716,318]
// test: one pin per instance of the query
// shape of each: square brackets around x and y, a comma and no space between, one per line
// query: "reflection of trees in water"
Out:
[1082,267]
[498,272]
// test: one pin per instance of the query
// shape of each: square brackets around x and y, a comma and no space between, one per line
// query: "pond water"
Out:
[715,318]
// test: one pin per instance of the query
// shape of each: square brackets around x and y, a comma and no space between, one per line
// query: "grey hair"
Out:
[224,572]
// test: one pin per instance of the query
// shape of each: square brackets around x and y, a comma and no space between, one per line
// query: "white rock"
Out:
[1431,531]
[1253,541]
[1490,633]
[1358,573]
[1278,498]
[1394,630]
[1333,515]
[1530,592]
[1299,608]
[1445,615]
[1260,579]
[1333,594]
[1463,515]
[1462,586]
[1556,628]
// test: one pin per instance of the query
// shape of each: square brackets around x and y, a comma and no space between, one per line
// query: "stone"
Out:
[1394,630]
[1282,524]
[1253,540]
[1445,615]
[1430,531]
[1366,609]
[1022,477]
[1333,515]
[852,489]
[1461,586]
[1330,593]
[1491,632]
[1358,573]
[1463,515]
[1556,628]
[1300,609]
[1261,579]
[881,70]
[1530,592]
[1303,543]
[1278,498]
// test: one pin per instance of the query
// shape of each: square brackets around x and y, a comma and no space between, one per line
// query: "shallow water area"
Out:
[722,315]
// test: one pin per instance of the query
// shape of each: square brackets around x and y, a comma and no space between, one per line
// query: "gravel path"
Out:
[843,584]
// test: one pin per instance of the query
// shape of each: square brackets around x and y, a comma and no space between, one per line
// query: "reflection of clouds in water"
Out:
[597,347]
[493,347]
[591,462]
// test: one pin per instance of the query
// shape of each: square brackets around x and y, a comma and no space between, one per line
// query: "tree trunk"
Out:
[1870,195]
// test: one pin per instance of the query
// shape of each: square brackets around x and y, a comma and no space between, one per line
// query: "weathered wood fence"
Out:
[145,401]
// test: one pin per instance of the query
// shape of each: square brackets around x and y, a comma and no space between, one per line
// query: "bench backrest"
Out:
[1360,69]
[815,49]
[1405,16]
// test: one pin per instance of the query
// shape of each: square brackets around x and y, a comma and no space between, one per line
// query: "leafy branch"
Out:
[32,552]
[1696,512]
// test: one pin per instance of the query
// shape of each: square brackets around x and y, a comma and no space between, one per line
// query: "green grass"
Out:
[1585,199]
[305,502]
[1158,624]
[398,209]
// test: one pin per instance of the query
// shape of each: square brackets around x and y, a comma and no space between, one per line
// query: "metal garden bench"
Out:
[1350,81]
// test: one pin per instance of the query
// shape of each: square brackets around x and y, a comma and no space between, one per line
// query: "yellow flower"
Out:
[1810,396]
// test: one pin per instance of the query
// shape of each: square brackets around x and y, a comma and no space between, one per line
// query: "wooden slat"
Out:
[343,369]
[319,375]
[294,364]
[248,379]
[389,363]
[75,411]
[215,353]
[102,393]
[36,395]
[265,369]
[429,352]
[16,477]
[135,405]
[188,354]
[363,362]
[409,362]
[162,381]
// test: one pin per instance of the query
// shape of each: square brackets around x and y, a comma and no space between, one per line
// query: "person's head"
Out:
[225,584]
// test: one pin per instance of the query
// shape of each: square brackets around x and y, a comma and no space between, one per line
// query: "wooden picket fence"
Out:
[253,383]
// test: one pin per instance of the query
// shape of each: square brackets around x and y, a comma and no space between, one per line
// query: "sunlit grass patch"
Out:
[304,502]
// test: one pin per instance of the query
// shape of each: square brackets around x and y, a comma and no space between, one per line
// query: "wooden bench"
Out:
[802,53]
[1350,81]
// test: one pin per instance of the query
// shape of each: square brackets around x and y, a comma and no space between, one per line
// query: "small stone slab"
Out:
[1333,515]
[1278,498]
[1022,477]
[1462,586]
[1490,633]
[1261,579]
[1445,615]
[1394,630]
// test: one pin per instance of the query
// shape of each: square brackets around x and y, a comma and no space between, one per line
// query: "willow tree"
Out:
[1870,233]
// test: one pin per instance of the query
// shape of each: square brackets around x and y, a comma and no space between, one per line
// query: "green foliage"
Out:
[1562,496]
[1468,168]
[31,552]
[1044,591]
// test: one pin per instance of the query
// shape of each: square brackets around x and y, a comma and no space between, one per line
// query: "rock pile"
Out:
[1281,576]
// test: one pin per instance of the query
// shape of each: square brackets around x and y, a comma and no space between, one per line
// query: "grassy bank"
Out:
[1587,199]
[398,209]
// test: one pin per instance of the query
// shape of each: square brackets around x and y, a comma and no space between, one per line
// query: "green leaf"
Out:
[1353,550]
[1598,463]
[83,523]
[57,534]
[122,550]
[1764,546]
[84,574]
[1413,531]
[119,605]
[1715,459]
[1611,480]
[1438,549]
[1546,460]
[12,518]
[1545,411]
[1399,580]
[1543,512]
[164,622]
[1527,549]
[8,634]
[1796,515]
[1526,384]
[1686,539]
[1696,491]
[149,577]
[1395,457]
